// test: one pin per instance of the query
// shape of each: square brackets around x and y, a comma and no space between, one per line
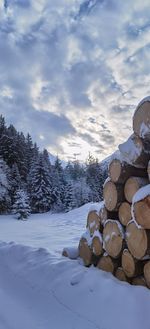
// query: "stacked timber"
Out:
[117,238]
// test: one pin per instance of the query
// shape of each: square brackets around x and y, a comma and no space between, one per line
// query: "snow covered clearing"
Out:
[40,289]
[51,231]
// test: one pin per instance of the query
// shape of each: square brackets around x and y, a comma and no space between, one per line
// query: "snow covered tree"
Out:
[58,182]
[46,183]
[22,160]
[21,207]
[15,181]
[95,178]
[5,201]
[2,126]
[78,170]
[40,186]
[81,192]
[29,150]
[57,165]
[46,158]
[69,198]
[58,187]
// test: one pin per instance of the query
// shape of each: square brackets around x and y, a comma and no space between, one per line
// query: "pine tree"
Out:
[29,150]
[69,199]
[2,126]
[59,182]
[95,178]
[57,191]
[40,186]
[78,170]
[5,201]
[68,171]
[22,156]
[21,207]
[15,181]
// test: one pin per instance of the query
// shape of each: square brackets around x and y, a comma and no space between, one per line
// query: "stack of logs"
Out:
[117,239]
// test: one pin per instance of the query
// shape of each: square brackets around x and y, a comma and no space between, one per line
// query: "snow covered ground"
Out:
[51,231]
[40,289]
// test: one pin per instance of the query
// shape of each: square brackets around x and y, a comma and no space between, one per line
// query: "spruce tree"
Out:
[2,126]
[21,207]
[40,185]
[69,199]
[5,201]
[15,181]
[59,182]
[95,178]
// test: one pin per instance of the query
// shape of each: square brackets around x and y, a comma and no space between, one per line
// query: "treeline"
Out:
[30,183]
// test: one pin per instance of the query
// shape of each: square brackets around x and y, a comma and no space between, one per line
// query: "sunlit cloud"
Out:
[72,72]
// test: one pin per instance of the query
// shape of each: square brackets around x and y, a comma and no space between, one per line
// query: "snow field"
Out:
[40,292]
[51,231]
[40,289]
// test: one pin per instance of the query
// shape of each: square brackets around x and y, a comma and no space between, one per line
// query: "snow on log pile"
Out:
[117,237]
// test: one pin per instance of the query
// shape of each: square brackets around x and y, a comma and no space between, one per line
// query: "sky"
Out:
[73,71]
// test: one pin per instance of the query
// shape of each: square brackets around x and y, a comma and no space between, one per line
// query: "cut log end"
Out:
[115,170]
[106,264]
[85,252]
[141,120]
[96,246]
[128,263]
[133,152]
[132,185]
[120,275]
[93,222]
[113,195]
[139,281]
[124,213]
[131,165]
[113,239]
[142,212]
[137,240]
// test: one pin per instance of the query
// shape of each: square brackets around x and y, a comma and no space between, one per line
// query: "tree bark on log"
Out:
[93,222]
[113,195]
[141,211]
[120,275]
[134,152]
[132,185]
[107,264]
[147,273]
[113,238]
[139,281]
[125,213]
[138,240]
[120,171]
[141,120]
[85,252]
[131,266]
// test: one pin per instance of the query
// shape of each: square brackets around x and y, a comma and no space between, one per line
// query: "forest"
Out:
[30,183]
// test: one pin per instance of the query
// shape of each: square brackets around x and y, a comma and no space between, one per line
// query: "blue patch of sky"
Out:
[21,3]
[133,31]
[87,6]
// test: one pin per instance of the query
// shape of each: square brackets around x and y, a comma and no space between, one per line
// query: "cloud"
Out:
[51,126]
[74,70]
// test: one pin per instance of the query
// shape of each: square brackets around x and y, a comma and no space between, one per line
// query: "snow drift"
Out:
[38,292]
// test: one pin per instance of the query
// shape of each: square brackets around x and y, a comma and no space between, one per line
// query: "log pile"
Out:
[117,237]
